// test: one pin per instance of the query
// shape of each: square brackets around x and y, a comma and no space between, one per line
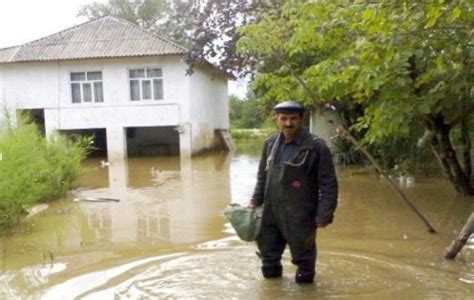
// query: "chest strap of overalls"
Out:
[271,157]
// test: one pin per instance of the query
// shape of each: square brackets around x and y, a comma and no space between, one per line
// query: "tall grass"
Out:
[33,170]
[239,133]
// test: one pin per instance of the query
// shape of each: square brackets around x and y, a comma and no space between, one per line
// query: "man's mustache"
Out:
[289,127]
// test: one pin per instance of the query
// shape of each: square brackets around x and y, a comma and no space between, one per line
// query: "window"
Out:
[87,87]
[146,84]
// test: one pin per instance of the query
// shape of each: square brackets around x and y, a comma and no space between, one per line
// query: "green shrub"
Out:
[33,170]
[245,113]
[238,134]
[344,152]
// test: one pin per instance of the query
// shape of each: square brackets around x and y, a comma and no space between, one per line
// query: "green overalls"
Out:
[291,196]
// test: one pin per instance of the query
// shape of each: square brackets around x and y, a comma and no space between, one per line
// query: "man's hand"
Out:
[251,206]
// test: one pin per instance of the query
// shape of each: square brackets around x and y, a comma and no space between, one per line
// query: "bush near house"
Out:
[33,170]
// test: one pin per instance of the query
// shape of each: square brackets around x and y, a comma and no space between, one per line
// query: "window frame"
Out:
[140,84]
[84,82]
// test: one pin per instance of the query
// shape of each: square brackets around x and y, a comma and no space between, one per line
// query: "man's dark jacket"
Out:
[318,164]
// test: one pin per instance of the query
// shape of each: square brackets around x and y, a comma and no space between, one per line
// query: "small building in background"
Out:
[123,85]
[320,126]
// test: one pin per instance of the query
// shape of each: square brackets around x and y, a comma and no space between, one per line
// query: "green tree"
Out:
[155,15]
[146,13]
[409,64]
[246,113]
[207,27]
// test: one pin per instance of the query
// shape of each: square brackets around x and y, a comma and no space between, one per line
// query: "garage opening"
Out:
[152,141]
[35,116]
[99,140]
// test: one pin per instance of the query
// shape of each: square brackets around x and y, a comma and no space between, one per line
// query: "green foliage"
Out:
[153,15]
[145,13]
[402,59]
[207,27]
[238,134]
[33,171]
[344,152]
[399,153]
[408,64]
[247,113]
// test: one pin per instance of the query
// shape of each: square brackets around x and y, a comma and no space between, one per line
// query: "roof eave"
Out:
[204,64]
[90,57]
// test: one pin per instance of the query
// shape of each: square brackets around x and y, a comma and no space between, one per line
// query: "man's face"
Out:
[290,123]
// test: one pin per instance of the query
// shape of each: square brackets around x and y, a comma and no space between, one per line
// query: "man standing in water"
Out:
[297,183]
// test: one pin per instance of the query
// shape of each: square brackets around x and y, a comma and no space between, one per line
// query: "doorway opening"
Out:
[152,141]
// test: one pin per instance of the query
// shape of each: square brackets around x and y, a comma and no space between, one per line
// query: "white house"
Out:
[125,85]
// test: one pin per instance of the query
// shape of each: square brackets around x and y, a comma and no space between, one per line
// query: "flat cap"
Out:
[290,106]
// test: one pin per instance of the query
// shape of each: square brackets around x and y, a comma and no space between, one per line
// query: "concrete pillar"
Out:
[118,177]
[50,133]
[51,124]
[185,140]
[116,143]
[186,166]
[8,117]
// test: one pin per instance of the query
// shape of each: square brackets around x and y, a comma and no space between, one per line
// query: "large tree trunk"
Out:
[446,155]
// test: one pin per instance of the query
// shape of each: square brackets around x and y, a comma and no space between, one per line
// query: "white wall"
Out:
[31,85]
[320,126]
[109,116]
[198,102]
[2,100]
[3,103]
[1,85]
[47,85]
[209,108]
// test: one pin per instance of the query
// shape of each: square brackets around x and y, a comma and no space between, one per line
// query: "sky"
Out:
[22,21]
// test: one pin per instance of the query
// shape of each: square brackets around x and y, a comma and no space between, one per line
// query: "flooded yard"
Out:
[167,238]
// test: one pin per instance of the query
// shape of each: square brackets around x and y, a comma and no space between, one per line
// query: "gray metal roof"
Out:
[7,53]
[105,37]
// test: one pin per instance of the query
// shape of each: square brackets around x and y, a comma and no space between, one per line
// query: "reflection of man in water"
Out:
[297,183]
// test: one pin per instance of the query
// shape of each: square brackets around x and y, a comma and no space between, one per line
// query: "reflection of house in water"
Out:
[166,206]
[120,83]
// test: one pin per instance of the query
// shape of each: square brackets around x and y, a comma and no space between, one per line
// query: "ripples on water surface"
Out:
[167,239]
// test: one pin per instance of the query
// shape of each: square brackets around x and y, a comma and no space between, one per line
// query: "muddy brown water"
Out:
[167,238]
